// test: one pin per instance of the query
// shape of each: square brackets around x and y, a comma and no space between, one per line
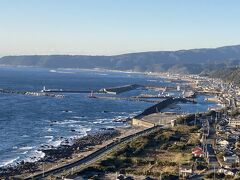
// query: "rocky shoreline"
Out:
[64,151]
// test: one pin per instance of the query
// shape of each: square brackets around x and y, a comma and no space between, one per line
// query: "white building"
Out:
[234,123]
[231,159]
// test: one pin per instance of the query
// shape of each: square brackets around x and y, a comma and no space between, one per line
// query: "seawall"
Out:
[158,107]
[120,89]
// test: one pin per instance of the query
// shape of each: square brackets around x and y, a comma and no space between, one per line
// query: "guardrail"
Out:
[97,155]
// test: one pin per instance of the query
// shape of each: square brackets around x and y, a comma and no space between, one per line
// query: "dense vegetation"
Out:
[227,74]
[159,153]
[185,61]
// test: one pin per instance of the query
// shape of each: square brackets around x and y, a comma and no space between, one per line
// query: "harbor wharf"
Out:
[71,91]
[109,90]
[120,89]
[161,105]
[151,117]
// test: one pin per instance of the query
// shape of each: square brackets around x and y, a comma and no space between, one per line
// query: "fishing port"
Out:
[148,121]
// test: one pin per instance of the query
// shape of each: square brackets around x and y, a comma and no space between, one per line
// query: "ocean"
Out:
[29,122]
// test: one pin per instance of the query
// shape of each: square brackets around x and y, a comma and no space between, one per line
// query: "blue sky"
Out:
[115,26]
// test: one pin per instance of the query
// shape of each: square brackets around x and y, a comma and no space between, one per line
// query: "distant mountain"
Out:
[183,61]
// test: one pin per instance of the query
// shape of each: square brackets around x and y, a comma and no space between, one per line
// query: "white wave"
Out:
[67,111]
[49,130]
[66,122]
[83,131]
[134,113]
[48,137]
[74,125]
[123,113]
[35,156]
[66,72]
[14,147]
[56,143]
[103,121]
[152,80]
[121,117]
[26,148]
[8,162]
[25,135]
[53,71]
[61,71]
[79,117]
[110,127]
[98,122]
[25,152]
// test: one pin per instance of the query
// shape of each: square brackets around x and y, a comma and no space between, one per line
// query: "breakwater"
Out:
[125,99]
[120,89]
[71,91]
[28,93]
[163,104]
[110,90]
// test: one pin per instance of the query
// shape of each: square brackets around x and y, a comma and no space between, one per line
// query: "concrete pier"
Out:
[70,91]
[120,89]
[151,117]
[163,104]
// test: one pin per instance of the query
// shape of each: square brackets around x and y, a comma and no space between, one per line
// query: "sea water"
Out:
[29,122]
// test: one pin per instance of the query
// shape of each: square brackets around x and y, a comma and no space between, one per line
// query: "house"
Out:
[197,152]
[234,123]
[231,159]
[226,172]
[185,170]
[226,165]
[223,143]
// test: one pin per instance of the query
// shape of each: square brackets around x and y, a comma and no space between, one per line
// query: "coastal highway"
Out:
[72,167]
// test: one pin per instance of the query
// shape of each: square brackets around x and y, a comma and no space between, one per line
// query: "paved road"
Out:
[95,155]
[213,163]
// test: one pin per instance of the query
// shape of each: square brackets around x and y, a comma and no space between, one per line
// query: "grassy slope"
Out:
[161,151]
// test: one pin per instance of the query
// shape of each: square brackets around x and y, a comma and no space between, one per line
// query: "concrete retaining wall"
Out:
[158,107]
[139,122]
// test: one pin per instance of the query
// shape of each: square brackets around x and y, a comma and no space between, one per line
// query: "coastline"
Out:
[33,159]
[68,154]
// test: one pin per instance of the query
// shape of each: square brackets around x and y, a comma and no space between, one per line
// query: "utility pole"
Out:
[214,172]
[195,119]
[179,170]
[216,118]
[43,169]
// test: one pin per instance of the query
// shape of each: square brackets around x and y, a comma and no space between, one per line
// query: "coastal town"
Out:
[199,145]
[215,152]
[119,90]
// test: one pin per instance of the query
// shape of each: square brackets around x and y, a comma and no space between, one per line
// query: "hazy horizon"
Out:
[117,54]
